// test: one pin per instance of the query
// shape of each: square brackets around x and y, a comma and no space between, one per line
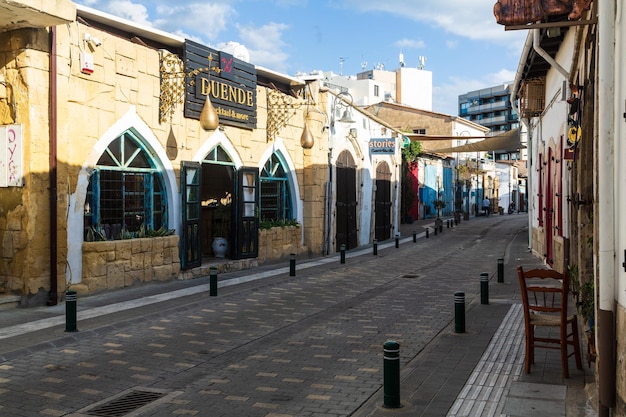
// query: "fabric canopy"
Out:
[504,142]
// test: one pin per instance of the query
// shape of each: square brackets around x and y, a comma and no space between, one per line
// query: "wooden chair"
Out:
[544,297]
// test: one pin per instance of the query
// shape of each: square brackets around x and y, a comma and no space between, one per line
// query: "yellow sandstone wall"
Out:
[122,263]
[24,264]
[126,75]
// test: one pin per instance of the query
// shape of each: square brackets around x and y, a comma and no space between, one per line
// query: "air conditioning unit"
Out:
[533,97]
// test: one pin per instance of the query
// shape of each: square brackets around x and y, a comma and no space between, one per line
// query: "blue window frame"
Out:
[126,191]
[275,196]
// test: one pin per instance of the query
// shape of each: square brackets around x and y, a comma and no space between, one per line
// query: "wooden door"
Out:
[346,203]
[191,247]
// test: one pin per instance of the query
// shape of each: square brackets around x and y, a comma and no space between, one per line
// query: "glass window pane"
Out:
[116,148]
[106,160]
[140,160]
[123,201]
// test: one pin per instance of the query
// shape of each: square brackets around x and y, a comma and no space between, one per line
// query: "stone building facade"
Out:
[124,179]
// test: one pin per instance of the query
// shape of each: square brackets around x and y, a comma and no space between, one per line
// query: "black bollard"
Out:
[70,311]
[342,257]
[397,240]
[427,233]
[447,223]
[459,312]
[391,371]
[213,281]
[292,265]
[375,247]
[436,230]
[414,236]
[484,288]
[500,270]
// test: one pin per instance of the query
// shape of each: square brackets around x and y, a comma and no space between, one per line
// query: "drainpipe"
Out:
[53,294]
[605,93]
[546,56]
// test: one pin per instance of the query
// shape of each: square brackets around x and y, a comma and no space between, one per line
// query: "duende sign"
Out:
[229,82]
[385,146]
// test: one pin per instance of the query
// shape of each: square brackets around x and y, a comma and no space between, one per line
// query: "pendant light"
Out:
[209,120]
[306,140]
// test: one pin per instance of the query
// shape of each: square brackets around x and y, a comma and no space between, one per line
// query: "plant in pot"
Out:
[439,205]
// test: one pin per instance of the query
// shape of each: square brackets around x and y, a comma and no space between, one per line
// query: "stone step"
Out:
[9,301]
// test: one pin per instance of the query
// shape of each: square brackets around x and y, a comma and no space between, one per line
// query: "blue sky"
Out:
[464,47]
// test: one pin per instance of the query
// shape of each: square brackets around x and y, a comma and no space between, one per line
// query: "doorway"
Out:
[382,226]
[217,193]
[346,230]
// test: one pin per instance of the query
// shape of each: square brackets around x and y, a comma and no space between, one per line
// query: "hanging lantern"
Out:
[209,120]
[306,140]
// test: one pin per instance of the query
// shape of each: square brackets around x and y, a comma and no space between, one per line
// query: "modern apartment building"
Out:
[490,107]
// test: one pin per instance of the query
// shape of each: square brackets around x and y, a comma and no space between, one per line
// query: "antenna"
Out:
[401,59]
[422,62]
[341,61]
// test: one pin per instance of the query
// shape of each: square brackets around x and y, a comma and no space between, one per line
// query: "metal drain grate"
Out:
[125,404]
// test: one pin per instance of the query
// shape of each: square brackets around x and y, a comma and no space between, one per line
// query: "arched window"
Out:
[126,193]
[275,197]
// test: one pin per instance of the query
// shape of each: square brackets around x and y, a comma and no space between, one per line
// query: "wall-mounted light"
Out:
[338,106]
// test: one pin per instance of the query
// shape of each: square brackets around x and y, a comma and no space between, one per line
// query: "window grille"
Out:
[125,192]
[275,196]
[532,97]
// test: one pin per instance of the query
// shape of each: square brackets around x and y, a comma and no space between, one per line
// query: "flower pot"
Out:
[220,247]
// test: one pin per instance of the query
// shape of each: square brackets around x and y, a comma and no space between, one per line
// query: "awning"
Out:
[504,142]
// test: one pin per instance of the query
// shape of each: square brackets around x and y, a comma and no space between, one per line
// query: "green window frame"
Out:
[126,192]
[275,195]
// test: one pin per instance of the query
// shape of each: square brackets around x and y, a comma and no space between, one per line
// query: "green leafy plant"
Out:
[125,234]
[587,301]
[412,152]
[162,231]
[95,234]
[268,224]
[584,293]
[149,232]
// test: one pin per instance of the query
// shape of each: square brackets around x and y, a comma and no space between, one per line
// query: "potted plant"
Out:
[439,205]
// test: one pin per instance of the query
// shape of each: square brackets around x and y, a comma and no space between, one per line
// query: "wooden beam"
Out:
[564,23]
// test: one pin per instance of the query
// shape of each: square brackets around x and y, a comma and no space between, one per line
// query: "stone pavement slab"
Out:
[271,345]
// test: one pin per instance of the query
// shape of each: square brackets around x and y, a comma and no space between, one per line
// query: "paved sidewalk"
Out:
[497,385]
[476,373]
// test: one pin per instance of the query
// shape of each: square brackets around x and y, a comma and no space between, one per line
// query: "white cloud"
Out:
[467,19]
[410,43]
[265,44]
[126,9]
[207,20]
